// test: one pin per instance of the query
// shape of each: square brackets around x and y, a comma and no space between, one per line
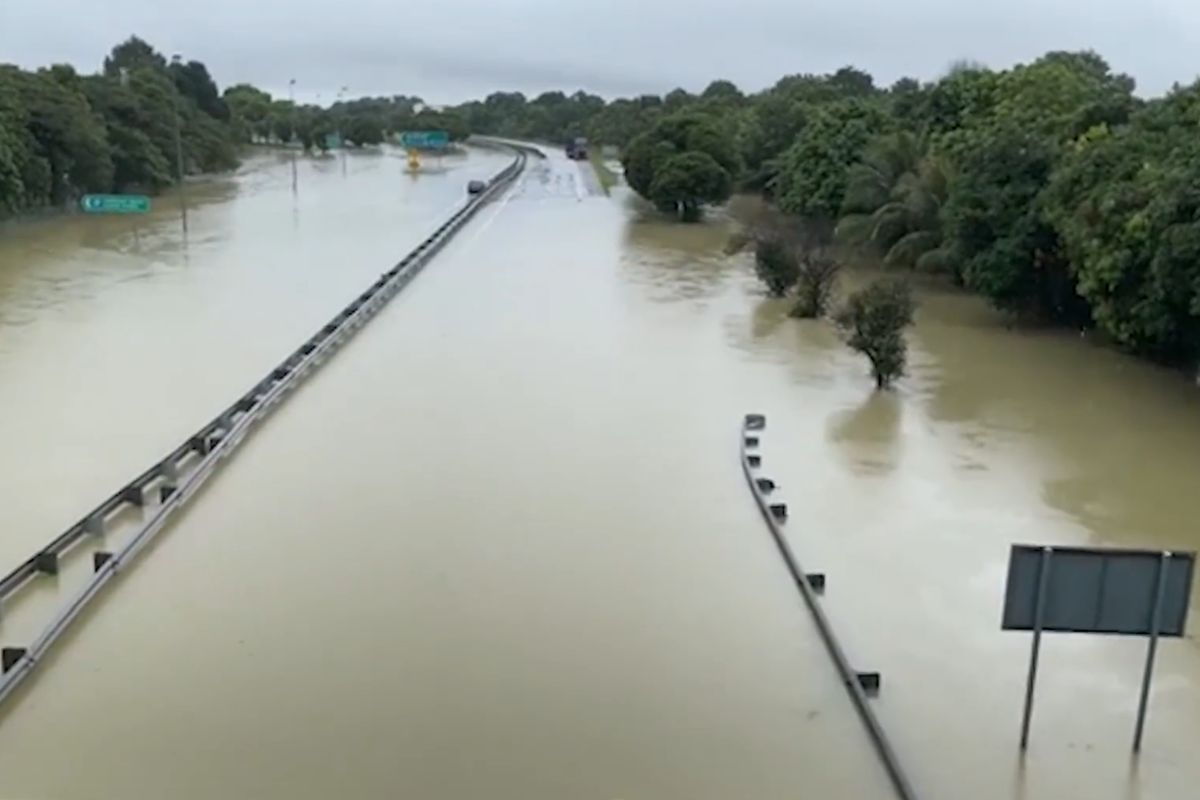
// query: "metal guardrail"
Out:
[810,585]
[177,477]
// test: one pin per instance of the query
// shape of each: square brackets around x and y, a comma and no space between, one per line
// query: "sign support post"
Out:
[1097,590]
[1160,585]
[1035,650]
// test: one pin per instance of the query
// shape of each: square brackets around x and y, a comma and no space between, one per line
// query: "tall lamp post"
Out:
[341,142]
[292,129]
[176,60]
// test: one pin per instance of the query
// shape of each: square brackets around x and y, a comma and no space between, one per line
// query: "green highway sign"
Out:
[425,140]
[115,204]
[333,141]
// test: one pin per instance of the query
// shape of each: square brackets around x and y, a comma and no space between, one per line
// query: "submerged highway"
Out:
[422,575]
[501,546]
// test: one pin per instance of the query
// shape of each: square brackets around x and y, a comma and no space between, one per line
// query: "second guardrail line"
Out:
[213,443]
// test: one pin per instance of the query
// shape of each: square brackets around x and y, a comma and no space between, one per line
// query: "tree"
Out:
[722,92]
[852,82]
[766,129]
[249,110]
[61,146]
[816,280]
[364,129]
[775,265]
[63,134]
[131,54]
[687,181]
[677,99]
[193,82]
[813,171]
[873,321]
[995,223]
[139,162]
[894,198]
[682,163]
[1126,205]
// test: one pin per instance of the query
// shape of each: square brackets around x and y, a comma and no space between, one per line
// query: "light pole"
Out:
[292,129]
[175,61]
[341,142]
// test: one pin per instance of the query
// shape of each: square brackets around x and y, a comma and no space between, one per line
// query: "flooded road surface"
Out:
[501,547]
[498,547]
[117,340]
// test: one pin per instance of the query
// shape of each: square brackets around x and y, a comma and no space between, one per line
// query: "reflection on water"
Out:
[59,259]
[676,262]
[868,435]
[1118,440]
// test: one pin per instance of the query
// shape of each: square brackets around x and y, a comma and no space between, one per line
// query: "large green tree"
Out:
[63,134]
[683,162]
[1126,203]
[686,182]
[814,169]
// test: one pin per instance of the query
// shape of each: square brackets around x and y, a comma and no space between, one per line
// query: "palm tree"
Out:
[893,200]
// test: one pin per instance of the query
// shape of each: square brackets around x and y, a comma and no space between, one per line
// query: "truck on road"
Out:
[577,149]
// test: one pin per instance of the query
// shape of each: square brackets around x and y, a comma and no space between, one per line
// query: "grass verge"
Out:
[606,176]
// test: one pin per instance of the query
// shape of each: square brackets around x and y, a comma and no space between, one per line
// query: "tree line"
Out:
[64,134]
[1049,188]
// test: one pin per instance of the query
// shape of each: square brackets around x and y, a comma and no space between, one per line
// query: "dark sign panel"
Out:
[1098,590]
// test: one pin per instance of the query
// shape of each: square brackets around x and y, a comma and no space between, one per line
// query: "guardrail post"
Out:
[46,563]
[9,656]
[870,682]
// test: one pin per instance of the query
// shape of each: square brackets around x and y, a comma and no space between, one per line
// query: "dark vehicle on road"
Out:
[476,187]
[577,149]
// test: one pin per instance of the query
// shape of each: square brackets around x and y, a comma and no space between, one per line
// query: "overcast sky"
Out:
[450,50]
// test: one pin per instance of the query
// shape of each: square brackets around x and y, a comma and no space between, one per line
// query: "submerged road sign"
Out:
[425,140]
[1097,590]
[115,204]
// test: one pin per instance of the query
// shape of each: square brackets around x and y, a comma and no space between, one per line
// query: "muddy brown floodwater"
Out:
[501,547]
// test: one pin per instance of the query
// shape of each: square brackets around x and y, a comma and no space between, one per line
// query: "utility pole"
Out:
[341,141]
[292,129]
[175,60]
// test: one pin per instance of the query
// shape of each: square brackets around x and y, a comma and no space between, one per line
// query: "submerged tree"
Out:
[874,319]
[816,280]
[775,265]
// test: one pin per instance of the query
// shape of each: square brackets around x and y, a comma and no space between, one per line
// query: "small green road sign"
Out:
[115,204]
[333,141]
[425,140]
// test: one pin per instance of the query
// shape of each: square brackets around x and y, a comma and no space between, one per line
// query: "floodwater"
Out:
[118,337]
[500,546]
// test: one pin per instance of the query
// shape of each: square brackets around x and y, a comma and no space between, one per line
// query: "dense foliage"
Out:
[1049,188]
[681,163]
[63,134]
